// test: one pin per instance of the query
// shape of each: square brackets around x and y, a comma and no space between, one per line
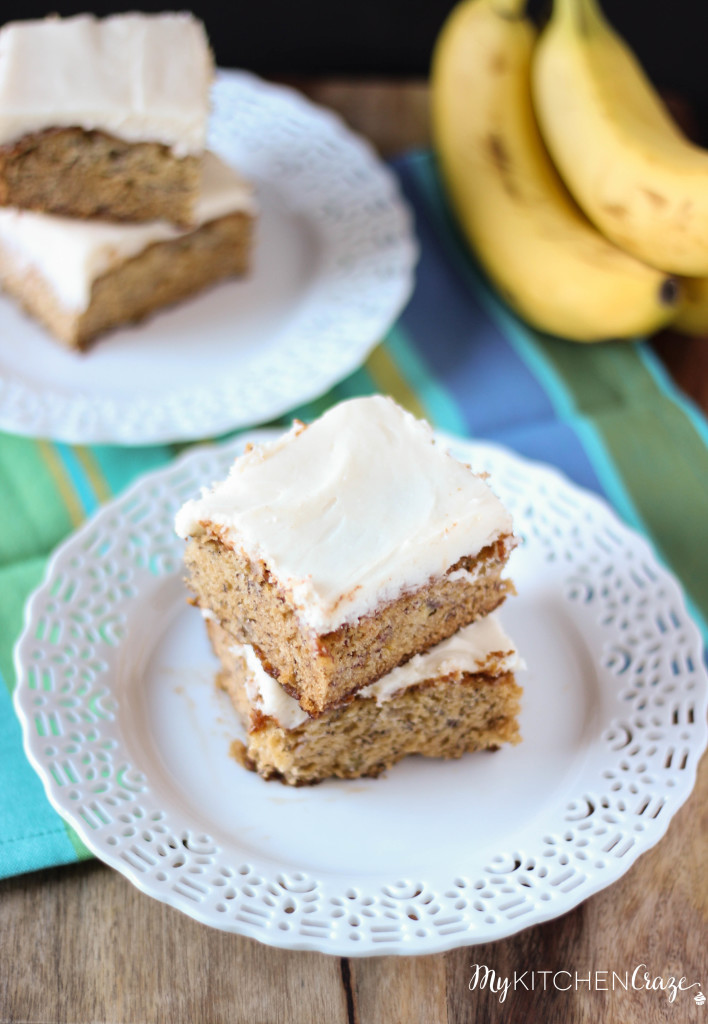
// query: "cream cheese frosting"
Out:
[139,77]
[482,647]
[70,253]
[265,694]
[351,511]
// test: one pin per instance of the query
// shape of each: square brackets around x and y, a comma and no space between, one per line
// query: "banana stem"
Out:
[582,14]
[511,9]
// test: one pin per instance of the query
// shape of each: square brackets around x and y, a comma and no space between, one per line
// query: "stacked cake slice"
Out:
[110,206]
[347,572]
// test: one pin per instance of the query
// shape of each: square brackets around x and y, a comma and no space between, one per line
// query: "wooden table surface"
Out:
[81,944]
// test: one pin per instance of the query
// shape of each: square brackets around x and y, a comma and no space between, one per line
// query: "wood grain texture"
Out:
[686,359]
[392,114]
[80,945]
[400,990]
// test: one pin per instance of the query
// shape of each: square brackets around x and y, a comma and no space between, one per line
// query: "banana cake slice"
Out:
[458,697]
[343,548]
[81,278]
[104,117]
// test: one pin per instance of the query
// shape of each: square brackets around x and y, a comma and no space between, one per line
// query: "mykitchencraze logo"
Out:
[639,978]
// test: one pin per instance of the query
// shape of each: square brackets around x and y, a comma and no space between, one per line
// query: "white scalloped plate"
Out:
[333,268]
[130,737]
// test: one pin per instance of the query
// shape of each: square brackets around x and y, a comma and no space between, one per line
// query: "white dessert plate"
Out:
[123,723]
[333,267]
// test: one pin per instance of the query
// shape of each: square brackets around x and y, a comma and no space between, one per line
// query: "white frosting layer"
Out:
[266,694]
[352,511]
[70,254]
[142,78]
[481,647]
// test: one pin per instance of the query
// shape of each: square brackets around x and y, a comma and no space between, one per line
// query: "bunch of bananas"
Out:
[580,196]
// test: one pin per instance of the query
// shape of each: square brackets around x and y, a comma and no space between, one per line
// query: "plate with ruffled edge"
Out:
[333,267]
[123,723]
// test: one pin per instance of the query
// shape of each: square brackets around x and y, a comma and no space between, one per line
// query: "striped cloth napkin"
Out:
[607,415]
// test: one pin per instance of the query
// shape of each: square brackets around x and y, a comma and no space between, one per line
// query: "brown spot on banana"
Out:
[615,210]
[498,64]
[655,198]
[501,160]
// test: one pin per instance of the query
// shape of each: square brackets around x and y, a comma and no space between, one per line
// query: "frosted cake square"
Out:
[343,548]
[81,278]
[104,117]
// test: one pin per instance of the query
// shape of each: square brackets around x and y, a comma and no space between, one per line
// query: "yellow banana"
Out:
[639,180]
[547,260]
[692,317]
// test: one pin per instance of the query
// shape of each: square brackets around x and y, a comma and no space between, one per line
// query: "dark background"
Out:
[395,37]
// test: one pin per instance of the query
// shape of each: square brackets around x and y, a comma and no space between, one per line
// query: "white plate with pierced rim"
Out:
[333,267]
[130,737]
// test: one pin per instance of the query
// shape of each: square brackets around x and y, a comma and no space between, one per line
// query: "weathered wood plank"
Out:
[81,944]
[400,990]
